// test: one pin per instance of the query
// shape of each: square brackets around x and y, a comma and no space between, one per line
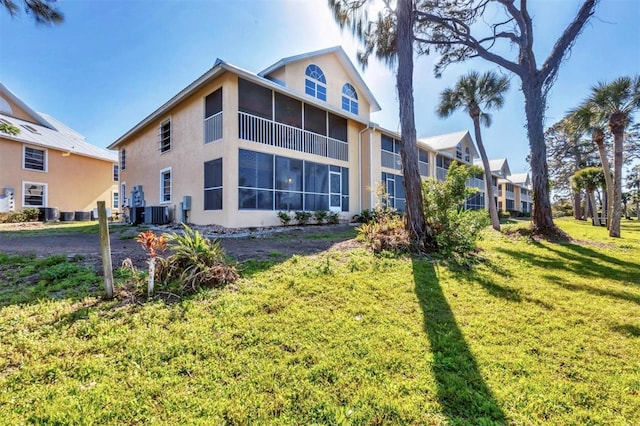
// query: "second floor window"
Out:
[165,136]
[349,99]
[315,84]
[116,173]
[123,159]
[35,159]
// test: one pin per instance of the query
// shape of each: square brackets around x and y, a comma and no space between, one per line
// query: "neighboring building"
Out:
[48,164]
[514,190]
[233,148]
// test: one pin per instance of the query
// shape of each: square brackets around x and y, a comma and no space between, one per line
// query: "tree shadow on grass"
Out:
[463,394]
[579,260]
[621,295]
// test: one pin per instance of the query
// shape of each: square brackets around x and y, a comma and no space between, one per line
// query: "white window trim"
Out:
[46,158]
[124,201]
[115,206]
[44,193]
[162,123]
[162,172]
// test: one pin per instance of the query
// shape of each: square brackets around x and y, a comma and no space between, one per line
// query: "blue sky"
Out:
[112,62]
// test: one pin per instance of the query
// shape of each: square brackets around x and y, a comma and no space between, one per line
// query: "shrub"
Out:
[504,215]
[320,216]
[302,217]
[386,233]
[26,215]
[284,217]
[333,218]
[195,262]
[456,230]
[365,216]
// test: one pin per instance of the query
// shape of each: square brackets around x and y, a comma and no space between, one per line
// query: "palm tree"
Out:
[585,119]
[615,104]
[43,11]
[589,179]
[475,92]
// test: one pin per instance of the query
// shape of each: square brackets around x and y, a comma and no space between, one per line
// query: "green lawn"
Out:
[536,333]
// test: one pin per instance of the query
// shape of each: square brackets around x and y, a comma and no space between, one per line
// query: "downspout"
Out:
[371,192]
[360,167]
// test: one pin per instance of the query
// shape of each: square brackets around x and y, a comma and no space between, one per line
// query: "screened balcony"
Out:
[269,132]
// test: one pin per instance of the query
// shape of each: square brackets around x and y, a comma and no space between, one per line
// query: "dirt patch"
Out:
[274,244]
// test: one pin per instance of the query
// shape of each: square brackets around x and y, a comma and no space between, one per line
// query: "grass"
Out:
[536,333]
[70,228]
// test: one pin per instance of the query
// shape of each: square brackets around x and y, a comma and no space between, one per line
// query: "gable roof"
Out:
[500,165]
[219,67]
[344,60]
[520,179]
[39,119]
[66,139]
[448,141]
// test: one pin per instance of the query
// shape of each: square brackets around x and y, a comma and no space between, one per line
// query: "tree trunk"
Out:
[493,210]
[577,205]
[416,224]
[594,207]
[587,207]
[534,104]
[604,160]
[616,201]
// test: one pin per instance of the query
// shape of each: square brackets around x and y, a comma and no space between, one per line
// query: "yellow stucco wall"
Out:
[189,153]
[74,183]
[294,76]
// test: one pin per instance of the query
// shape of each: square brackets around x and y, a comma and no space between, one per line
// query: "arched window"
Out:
[5,107]
[315,84]
[349,98]
[466,155]
[459,152]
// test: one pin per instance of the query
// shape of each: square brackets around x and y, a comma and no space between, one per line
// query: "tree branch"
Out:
[465,39]
[564,43]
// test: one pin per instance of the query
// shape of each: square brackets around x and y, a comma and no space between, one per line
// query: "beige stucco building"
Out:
[49,165]
[514,190]
[234,147]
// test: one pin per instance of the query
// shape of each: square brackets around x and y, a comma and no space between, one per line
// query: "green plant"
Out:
[456,229]
[333,218]
[284,217]
[365,216]
[320,216]
[196,262]
[303,217]
[25,215]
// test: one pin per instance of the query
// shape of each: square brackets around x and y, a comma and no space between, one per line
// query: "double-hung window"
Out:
[35,159]
[116,173]
[123,159]
[165,185]
[213,185]
[34,194]
[165,136]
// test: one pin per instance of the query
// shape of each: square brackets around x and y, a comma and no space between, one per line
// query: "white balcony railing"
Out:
[423,168]
[213,128]
[391,160]
[441,173]
[511,195]
[476,183]
[272,133]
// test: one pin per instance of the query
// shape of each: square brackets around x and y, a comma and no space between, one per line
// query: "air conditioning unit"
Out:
[156,215]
